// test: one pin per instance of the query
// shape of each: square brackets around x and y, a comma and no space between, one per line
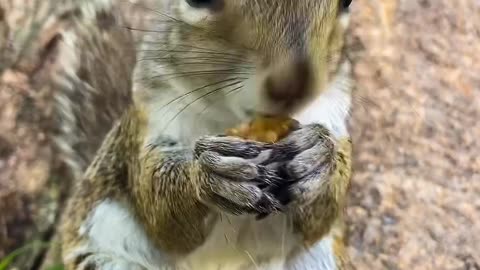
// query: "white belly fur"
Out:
[236,243]
[243,243]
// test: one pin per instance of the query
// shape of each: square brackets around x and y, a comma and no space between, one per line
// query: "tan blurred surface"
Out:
[415,202]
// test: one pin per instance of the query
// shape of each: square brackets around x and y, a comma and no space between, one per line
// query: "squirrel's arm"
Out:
[316,219]
[319,196]
[173,192]
[155,183]
[162,180]
[165,198]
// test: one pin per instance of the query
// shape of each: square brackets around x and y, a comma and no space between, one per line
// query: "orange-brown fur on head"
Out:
[286,50]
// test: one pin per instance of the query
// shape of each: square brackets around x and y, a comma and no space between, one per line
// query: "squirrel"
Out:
[168,189]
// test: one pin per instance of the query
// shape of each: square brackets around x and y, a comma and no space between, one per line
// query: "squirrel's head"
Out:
[283,50]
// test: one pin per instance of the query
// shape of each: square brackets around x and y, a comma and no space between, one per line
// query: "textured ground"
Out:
[415,200]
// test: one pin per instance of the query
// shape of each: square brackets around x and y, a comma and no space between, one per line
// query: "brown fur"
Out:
[171,200]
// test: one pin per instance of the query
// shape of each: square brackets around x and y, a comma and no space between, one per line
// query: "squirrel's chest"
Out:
[185,118]
[243,243]
[235,243]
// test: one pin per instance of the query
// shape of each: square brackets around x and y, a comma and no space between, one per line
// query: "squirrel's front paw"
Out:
[308,158]
[230,180]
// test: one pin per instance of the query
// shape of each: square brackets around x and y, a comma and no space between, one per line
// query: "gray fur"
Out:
[174,193]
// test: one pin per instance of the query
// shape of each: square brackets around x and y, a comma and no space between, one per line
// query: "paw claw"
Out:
[307,156]
[229,146]
[235,183]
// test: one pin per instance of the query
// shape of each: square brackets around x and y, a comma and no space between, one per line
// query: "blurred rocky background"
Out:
[415,198]
[415,201]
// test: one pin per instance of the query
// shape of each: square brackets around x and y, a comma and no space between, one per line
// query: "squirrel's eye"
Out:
[345,3]
[210,4]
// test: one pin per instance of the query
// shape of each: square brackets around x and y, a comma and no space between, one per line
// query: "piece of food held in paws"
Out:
[268,129]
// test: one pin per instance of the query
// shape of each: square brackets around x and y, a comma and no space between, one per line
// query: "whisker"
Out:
[156,12]
[233,91]
[172,76]
[252,259]
[210,34]
[197,99]
[196,52]
[194,47]
[176,20]
[229,56]
[224,59]
[219,64]
[146,30]
[212,71]
[202,59]
[196,90]
[216,64]
[284,231]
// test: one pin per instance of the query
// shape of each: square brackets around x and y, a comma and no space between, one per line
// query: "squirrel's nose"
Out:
[289,82]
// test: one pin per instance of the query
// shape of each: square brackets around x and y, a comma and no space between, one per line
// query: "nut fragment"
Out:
[264,129]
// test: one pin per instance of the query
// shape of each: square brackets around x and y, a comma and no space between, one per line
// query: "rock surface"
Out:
[415,201]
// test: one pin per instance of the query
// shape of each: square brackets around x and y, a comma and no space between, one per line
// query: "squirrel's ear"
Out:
[345,3]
